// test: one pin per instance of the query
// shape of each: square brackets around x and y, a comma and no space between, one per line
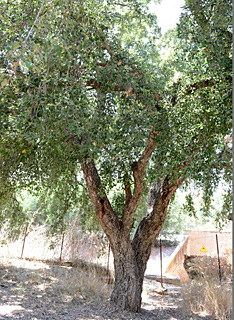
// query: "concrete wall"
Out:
[193,245]
[207,240]
[175,265]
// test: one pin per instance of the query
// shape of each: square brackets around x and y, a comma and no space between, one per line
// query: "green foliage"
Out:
[187,210]
[208,24]
[89,77]
[225,212]
[188,206]
[118,203]
[13,218]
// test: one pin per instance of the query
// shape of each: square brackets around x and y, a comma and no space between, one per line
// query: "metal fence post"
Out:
[61,251]
[25,235]
[220,276]
[160,244]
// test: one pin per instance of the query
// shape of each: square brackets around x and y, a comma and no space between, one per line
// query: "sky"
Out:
[168,13]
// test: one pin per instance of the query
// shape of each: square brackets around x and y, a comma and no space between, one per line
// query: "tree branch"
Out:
[128,192]
[37,17]
[159,197]
[16,64]
[199,15]
[146,154]
[127,89]
[104,212]
[138,169]
[206,83]
[150,226]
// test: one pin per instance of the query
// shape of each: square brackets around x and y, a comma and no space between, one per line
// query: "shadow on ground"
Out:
[31,290]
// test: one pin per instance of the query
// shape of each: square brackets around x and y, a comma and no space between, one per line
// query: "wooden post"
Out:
[220,276]
[25,235]
[61,251]
[160,244]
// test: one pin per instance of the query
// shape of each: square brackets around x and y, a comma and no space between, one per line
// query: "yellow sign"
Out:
[203,249]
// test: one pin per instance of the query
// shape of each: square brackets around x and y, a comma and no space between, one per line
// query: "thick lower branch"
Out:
[102,207]
[138,170]
[151,225]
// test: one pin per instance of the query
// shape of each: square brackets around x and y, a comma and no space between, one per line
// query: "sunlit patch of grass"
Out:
[74,282]
[205,294]
[82,282]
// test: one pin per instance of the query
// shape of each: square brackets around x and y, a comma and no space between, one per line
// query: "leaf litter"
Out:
[32,290]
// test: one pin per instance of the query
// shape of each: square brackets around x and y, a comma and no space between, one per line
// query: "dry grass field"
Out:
[33,289]
[206,292]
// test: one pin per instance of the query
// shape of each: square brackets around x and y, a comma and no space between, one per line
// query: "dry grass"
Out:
[37,290]
[209,298]
[77,283]
[33,289]
[83,281]
[205,294]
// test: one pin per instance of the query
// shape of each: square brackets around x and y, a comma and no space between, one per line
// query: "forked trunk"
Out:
[130,258]
[129,275]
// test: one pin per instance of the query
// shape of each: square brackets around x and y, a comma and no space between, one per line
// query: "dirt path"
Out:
[31,290]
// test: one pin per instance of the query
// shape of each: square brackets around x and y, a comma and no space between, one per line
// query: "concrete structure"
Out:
[176,262]
[197,243]
[198,239]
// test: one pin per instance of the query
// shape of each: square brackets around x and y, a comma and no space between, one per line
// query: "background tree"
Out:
[85,88]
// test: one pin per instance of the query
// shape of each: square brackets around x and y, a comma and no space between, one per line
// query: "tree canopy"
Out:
[91,77]
[91,90]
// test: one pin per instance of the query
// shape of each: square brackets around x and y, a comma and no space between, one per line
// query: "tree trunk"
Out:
[129,275]
[130,258]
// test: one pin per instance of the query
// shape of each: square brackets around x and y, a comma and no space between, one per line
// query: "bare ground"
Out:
[32,290]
